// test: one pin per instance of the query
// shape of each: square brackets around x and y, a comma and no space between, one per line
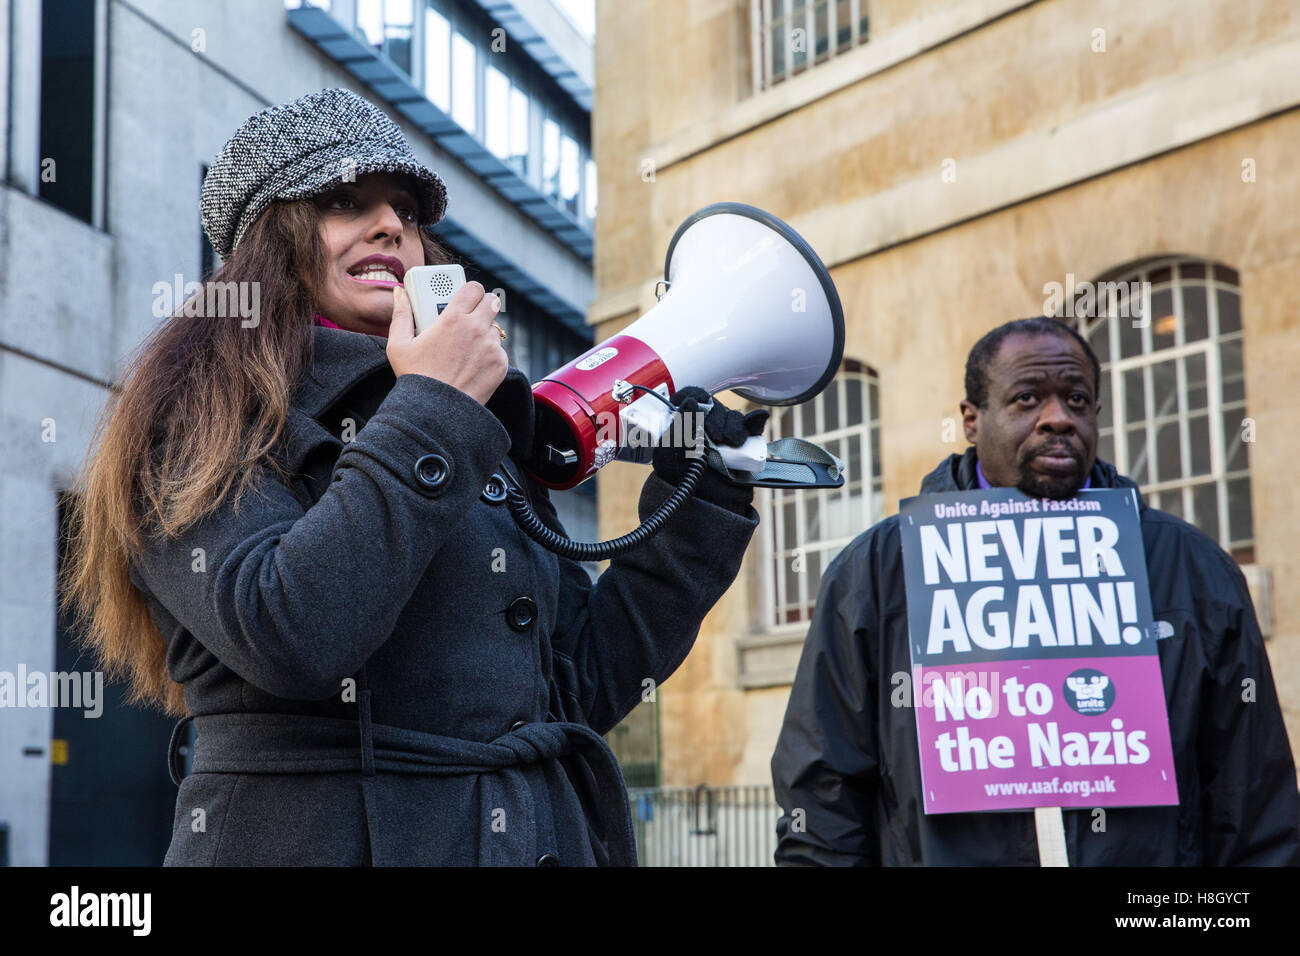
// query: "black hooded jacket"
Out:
[847,772]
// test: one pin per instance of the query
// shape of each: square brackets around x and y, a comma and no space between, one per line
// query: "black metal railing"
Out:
[704,826]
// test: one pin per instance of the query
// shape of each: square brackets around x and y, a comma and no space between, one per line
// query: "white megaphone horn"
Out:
[748,306]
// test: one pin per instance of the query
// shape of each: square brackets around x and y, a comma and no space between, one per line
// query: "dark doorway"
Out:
[111,798]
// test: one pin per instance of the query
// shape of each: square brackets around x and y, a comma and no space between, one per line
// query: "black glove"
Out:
[724,427]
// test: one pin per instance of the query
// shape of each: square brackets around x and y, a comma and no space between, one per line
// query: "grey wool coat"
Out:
[381,669]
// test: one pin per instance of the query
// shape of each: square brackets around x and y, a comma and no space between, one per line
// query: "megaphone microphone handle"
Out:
[532,525]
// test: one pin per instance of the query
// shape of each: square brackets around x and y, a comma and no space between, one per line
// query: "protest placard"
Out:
[1035,677]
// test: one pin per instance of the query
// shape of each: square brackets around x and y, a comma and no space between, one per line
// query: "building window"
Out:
[517,156]
[464,74]
[1173,395]
[437,59]
[805,530]
[550,158]
[496,112]
[569,175]
[68,140]
[387,26]
[505,120]
[792,36]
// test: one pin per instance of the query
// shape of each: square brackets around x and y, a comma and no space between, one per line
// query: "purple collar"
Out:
[984,482]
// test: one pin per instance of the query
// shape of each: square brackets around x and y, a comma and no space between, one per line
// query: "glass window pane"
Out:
[808,418]
[858,519]
[1106,447]
[1224,274]
[1130,334]
[1106,415]
[780,422]
[776,37]
[790,526]
[876,470]
[463,72]
[1240,520]
[437,58]
[873,400]
[1196,322]
[1205,500]
[1164,327]
[496,112]
[853,400]
[1191,270]
[812,524]
[1172,502]
[518,156]
[1229,314]
[813,571]
[569,174]
[1198,436]
[1234,384]
[1137,454]
[1099,339]
[1236,450]
[1164,388]
[398,16]
[1135,408]
[843,24]
[820,13]
[1197,396]
[550,158]
[1168,465]
[830,400]
[370,21]
[791,588]
[799,39]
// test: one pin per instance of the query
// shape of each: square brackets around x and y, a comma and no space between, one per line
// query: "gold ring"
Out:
[499,330]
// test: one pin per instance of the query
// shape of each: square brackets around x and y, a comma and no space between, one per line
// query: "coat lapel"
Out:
[341,359]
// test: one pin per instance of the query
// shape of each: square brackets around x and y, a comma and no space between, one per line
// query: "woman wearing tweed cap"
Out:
[291,533]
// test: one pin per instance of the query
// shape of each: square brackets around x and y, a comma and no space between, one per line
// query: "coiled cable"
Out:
[532,525]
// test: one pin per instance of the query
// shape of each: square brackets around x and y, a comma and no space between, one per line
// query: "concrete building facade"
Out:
[112,108]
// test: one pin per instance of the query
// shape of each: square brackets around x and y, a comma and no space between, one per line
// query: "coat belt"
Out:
[301,743]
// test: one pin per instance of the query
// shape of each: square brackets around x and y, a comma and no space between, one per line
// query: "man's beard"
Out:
[1058,486]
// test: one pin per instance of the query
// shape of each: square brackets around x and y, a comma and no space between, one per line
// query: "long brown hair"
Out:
[201,403]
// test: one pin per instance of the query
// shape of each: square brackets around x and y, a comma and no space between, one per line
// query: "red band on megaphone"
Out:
[577,412]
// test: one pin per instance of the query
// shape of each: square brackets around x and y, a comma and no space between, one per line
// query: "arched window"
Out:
[1173,393]
[804,530]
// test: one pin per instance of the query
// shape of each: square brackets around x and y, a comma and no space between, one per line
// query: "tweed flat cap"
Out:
[300,149]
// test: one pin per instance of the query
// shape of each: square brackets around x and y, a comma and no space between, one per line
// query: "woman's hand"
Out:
[461,348]
[723,426]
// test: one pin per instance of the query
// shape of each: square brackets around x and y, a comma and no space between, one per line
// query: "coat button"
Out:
[494,492]
[432,471]
[548,859]
[521,613]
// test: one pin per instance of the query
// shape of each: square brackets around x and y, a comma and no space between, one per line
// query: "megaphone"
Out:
[745,305]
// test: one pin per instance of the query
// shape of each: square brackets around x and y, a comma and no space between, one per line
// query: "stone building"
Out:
[959,163]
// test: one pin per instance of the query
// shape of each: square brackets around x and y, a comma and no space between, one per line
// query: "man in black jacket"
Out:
[846,766]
